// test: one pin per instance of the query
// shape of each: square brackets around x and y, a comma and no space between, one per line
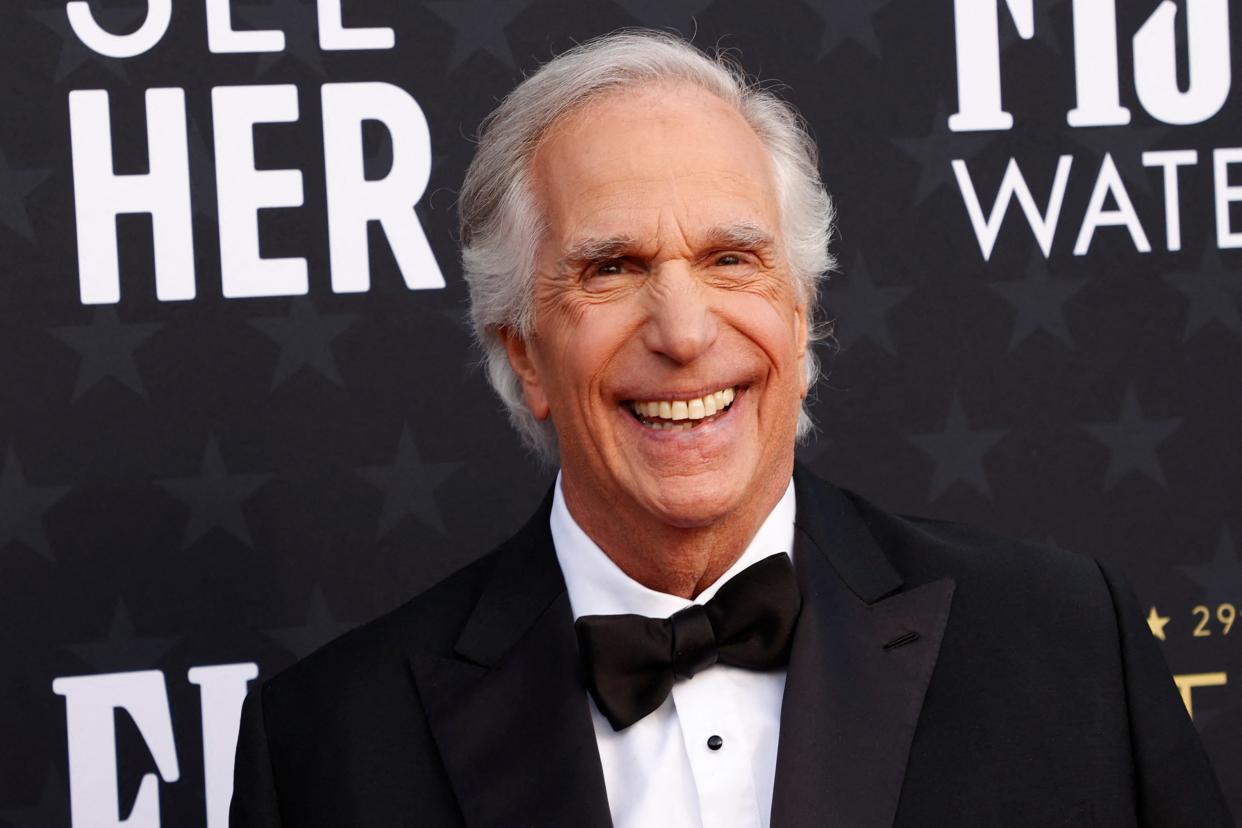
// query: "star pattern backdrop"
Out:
[227,480]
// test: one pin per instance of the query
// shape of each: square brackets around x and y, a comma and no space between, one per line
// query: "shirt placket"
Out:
[718,750]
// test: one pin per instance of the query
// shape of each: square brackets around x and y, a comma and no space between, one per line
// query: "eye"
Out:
[612,267]
[729,259]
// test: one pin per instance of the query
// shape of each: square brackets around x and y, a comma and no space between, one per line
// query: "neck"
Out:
[676,560]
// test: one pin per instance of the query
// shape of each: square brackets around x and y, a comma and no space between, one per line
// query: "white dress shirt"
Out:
[660,771]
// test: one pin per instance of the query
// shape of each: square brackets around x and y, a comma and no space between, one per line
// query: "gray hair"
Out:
[500,222]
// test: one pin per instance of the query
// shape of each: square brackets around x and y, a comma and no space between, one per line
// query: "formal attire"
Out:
[666,769]
[939,675]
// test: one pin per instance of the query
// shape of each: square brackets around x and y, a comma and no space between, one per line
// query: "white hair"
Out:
[501,226]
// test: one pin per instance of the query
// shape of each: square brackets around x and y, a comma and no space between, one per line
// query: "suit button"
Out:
[715,742]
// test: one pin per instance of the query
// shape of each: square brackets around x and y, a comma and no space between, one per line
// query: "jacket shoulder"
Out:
[377,650]
[1034,613]
[368,668]
[924,548]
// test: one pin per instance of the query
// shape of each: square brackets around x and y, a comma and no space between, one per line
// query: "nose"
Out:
[681,324]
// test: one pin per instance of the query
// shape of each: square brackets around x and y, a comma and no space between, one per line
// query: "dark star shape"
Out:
[107,347]
[1132,441]
[661,14]
[1127,147]
[214,497]
[479,26]
[51,809]
[958,452]
[1220,578]
[935,150]
[305,339]
[123,649]
[1212,292]
[300,23]
[22,507]
[15,186]
[73,52]
[319,629]
[1038,300]
[846,20]
[409,486]
[859,308]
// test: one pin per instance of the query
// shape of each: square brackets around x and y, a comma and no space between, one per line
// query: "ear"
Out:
[523,364]
[801,336]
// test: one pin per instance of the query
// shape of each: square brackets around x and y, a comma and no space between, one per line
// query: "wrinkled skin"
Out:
[662,276]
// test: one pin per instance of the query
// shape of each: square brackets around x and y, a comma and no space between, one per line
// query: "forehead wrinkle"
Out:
[646,183]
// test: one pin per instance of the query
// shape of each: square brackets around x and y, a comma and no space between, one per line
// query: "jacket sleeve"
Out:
[1174,782]
[254,786]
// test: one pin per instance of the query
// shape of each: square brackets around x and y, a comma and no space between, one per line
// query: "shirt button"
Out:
[715,742]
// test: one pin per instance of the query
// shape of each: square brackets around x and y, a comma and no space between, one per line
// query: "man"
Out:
[643,232]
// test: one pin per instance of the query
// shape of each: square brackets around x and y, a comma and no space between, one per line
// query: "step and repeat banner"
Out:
[240,411]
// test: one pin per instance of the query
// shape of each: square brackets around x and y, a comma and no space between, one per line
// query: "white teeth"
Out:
[681,411]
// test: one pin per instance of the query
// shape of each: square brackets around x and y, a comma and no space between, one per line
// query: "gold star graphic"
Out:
[1157,621]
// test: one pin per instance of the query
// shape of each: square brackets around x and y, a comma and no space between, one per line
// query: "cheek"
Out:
[584,347]
[775,330]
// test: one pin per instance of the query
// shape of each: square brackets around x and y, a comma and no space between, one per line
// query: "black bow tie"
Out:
[632,661]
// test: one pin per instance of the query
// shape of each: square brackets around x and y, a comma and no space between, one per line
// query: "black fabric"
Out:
[1030,695]
[631,661]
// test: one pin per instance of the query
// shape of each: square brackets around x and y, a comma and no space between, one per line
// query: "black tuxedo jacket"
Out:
[940,676]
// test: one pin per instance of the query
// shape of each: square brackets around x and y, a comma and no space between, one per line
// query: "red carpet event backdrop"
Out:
[240,411]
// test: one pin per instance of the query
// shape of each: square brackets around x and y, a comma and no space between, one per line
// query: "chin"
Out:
[691,504]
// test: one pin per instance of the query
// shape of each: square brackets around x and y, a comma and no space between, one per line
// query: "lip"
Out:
[672,396]
[701,436]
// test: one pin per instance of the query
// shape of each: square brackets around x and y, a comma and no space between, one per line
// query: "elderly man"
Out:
[643,231]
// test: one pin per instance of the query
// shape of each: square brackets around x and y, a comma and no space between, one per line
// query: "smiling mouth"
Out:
[682,415]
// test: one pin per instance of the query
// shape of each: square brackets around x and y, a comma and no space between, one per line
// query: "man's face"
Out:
[662,293]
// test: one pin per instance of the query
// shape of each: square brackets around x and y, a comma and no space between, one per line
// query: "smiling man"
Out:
[668,343]
[692,631]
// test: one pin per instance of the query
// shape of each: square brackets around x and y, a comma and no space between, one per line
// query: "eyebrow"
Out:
[596,250]
[740,235]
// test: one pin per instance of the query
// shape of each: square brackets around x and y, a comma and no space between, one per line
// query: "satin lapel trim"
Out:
[509,710]
[829,522]
[857,678]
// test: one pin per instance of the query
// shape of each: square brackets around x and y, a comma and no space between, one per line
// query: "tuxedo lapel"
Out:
[509,710]
[862,658]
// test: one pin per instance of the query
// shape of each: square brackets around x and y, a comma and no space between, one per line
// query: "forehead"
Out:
[634,159]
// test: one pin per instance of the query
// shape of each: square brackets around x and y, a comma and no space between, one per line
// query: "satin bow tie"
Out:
[632,661]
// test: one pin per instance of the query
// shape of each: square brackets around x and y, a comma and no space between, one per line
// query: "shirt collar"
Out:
[597,586]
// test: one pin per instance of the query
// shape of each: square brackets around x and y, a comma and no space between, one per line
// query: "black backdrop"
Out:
[227,480]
